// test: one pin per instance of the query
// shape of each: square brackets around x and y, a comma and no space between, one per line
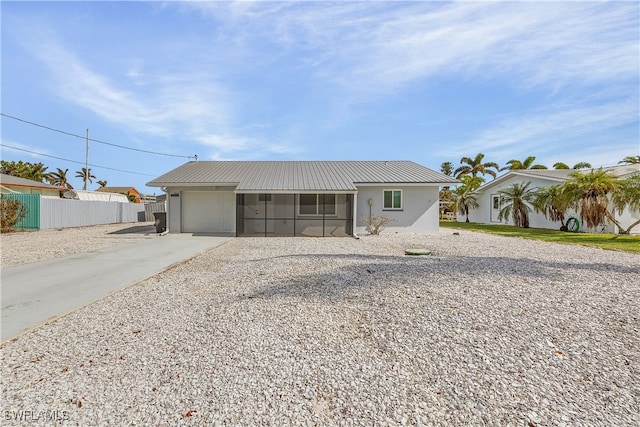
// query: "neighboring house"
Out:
[13,185]
[127,191]
[300,198]
[488,197]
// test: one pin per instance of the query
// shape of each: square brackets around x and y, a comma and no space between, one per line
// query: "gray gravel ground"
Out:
[309,331]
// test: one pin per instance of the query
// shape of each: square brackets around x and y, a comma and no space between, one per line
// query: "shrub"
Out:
[375,224]
[12,211]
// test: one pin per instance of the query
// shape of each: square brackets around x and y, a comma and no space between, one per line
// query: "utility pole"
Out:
[86,163]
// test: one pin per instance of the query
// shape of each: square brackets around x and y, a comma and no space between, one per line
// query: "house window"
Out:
[392,199]
[317,204]
[264,197]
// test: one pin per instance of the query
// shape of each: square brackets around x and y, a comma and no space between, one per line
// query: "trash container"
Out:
[160,222]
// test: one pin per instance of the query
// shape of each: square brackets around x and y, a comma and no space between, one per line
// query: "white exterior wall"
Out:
[419,212]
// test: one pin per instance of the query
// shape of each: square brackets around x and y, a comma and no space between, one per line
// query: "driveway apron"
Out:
[35,293]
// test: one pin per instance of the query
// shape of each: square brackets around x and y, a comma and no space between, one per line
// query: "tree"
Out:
[550,202]
[631,160]
[447,168]
[26,170]
[86,175]
[627,194]
[526,164]
[516,200]
[102,183]
[473,167]
[579,165]
[463,195]
[60,178]
[588,193]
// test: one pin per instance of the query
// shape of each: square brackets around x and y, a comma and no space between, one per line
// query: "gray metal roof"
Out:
[299,175]
[10,180]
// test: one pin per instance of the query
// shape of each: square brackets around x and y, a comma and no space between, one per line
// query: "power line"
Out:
[94,140]
[73,161]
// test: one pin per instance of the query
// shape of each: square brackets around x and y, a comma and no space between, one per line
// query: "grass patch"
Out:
[603,241]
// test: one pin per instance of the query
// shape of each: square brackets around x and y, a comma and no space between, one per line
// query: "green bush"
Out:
[12,211]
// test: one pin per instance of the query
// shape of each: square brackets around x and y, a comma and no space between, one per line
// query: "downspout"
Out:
[353,214]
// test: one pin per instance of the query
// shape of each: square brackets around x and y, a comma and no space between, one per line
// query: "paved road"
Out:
[35,293]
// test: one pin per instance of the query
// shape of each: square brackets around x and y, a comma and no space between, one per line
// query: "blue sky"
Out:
[423,81]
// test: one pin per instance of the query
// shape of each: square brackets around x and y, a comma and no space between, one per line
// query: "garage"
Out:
[208,212]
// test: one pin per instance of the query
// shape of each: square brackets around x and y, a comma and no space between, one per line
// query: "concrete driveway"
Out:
[35,293]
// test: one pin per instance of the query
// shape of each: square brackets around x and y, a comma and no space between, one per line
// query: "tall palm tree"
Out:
[631,160]
[627,194]
[549,201]
[86,175]
[526,164]
[588,193]
[102,183]
[60,178]
[473,167]
[516,200]
[464,196]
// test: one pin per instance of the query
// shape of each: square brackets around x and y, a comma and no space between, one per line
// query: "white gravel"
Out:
[336,331]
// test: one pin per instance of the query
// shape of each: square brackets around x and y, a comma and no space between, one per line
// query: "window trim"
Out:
[392,190]
[319,214]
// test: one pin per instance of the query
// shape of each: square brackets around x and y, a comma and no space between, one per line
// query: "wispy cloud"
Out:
[376,47]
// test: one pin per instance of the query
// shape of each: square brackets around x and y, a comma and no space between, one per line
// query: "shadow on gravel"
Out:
[137,229]
[368,272]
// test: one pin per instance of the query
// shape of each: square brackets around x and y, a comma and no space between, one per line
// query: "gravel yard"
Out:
[336,331]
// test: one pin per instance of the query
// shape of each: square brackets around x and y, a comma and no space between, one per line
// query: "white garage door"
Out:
[208,212]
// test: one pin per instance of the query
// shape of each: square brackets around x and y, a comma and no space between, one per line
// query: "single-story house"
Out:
[10,184]
[489,201]
[127,191]
[300,198]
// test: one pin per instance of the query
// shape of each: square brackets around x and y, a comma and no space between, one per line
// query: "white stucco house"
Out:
[300,198]
[488,197]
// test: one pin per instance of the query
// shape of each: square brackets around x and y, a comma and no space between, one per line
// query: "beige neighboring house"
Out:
[488,197]
[13,185]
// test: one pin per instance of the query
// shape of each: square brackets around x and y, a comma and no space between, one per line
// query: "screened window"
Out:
[264,197]
[317,204]
[392,199]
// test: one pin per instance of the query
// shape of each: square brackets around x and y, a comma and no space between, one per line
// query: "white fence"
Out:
[63,213]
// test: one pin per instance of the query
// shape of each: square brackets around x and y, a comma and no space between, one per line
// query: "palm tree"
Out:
[60,178]
[549,201]
[475,166]
[464,196]
[102,183]
[516,200]
[627,194]
[579,165]
[526,164]
[86,175]
[631,160]
[588,193]
[582,165]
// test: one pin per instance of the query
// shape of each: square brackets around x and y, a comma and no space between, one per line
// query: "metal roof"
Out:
[299,175]
[10,181]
